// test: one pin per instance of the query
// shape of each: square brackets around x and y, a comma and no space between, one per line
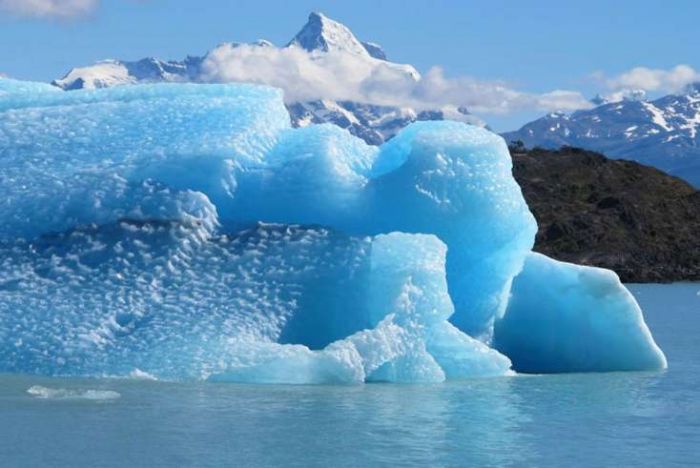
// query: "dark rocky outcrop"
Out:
[633,219]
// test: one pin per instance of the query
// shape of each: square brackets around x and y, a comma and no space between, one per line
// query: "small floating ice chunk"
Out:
[138,374]
[48,393]
[570,318]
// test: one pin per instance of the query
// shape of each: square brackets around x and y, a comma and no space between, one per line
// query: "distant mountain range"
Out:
[319,36]
[664,133]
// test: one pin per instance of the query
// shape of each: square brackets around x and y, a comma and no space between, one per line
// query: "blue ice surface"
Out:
[23,89]
[570,318]
[273,304]
[187,231]
[443,178]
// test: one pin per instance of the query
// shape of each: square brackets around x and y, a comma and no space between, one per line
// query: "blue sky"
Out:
[535,46]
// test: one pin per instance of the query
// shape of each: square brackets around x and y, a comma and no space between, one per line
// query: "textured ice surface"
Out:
[94,157]
[571,318]
[269,304]
[444,178]
[141,152]
[186,231]
[22,88]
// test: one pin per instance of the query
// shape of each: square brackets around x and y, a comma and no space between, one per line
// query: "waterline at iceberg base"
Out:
[187,232]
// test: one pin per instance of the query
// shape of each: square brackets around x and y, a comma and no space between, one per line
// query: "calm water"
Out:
[617,419]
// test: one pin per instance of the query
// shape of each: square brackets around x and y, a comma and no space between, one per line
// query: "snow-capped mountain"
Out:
[108,73]
[374,124]
[321,33]
[322,40]
[664,133]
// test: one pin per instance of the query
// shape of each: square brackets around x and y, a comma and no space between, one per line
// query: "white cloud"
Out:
[343,76]
[49,8]
[625,94]
[653,79]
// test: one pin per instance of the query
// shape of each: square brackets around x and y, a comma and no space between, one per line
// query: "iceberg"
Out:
[188,232]
[570,318]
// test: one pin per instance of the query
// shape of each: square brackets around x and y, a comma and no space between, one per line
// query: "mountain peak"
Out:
[635,95]
[321,33]
[599,100]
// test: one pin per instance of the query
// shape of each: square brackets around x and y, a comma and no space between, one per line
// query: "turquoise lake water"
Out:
[614,419]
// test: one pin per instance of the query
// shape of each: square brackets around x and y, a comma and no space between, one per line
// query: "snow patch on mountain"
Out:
[109,73]
[101,75]
[657,116]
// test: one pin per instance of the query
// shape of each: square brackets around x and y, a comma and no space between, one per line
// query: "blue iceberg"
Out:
[570,318]
[188,232]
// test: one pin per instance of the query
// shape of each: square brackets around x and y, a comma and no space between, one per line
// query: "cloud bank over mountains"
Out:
[343,76]
[325,61]
[638,81]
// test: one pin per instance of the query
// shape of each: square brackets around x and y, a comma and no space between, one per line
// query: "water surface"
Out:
[614,419]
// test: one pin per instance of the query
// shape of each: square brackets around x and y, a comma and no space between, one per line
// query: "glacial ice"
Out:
[101,156]
[21,88]
[570,318]
[188,232]
[274,303]
[444,178]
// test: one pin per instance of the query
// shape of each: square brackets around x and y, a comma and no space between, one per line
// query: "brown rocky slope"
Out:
[633,219]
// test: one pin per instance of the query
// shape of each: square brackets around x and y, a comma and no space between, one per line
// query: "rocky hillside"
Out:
[616,214]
